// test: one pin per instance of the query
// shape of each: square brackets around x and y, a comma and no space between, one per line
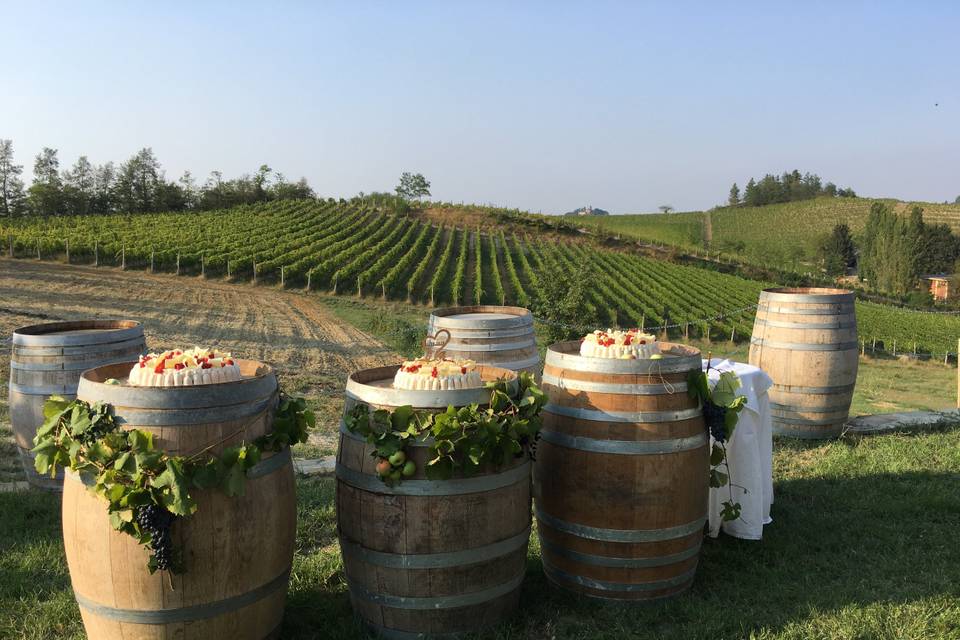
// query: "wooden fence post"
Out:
[733,334]
[38,248]
[66,243]
[254,273]
[11,245]
[151,259]
[283,279]
[228,268]
[203,264]
[96,253]
[178,263]
[309,276]
[123,256]
[894,347]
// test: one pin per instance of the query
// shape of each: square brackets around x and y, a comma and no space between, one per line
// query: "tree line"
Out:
[789,187]
[894,251]
[137,185]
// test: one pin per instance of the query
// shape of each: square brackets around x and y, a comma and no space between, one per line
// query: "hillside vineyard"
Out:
[348,249]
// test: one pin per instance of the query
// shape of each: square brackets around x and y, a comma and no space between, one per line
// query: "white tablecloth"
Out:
[750,453]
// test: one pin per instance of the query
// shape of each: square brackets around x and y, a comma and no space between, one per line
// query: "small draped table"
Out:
[750,454]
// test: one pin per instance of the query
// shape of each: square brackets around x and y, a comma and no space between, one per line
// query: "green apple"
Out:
[395,476]
[398,458]
[409,469]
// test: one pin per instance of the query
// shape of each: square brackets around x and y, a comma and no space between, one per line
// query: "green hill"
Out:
[357,250]
[784,235]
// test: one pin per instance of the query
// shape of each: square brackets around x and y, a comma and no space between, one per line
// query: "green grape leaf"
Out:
[175,495]
[717,454]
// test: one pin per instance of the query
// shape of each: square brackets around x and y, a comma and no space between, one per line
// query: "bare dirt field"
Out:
[312,349]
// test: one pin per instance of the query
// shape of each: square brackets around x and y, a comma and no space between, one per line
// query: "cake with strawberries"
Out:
[437,374]
[179,368]
[632,344]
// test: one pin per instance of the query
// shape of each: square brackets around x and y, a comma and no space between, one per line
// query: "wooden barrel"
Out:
[47,359]
[429,557]
[237,551]
[806,341]
[496,336]
[620,481]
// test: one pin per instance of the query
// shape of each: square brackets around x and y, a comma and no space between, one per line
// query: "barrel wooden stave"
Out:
[405,554]
[47,359]
[501,342]
[625,525]
[237,551]
[806,341]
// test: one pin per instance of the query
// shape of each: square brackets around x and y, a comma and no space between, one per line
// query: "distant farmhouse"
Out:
[587,211]
[940,288]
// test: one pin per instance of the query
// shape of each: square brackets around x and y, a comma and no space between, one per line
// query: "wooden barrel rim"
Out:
[359,389]
[439,317]
[807,295]
[806,346]
[566,355]
[46,335]
[259,381]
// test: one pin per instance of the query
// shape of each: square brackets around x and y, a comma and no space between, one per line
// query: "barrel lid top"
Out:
[676,358]
[77,332]
[481,317]
[259,380]
[807,294]
[374,386]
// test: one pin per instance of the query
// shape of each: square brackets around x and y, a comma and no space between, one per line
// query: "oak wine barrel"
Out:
[237,552]
[491,335]
[621,474]
[425,557]
[47,359]
[806,340]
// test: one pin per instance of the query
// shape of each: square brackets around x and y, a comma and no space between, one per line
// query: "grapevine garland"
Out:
[465,439]
[148,490]
[721,410]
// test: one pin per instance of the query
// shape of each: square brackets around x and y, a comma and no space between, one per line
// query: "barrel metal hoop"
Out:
[432,603]
[518,365]
[186,614]
[420,398]
[840,420]
[839,310]
[127,346]
[805,346]
[609,387]
[422,441]
[260,470]
[619,563]
[67,366]
[786,388]
[483,334]
[804,325]
[189,417]
[619,535]
[644,417]
[266,466]
[559,575]
[806,434]
[435,560]
[454,487]
[625,447]
[561,355]
[100,335]
[792,408]
[43,390]
[483,348]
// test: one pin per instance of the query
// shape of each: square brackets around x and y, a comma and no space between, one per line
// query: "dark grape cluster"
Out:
[156,521]
[715,415]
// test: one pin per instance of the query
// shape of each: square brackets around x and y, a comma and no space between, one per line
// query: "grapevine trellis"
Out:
[348,249]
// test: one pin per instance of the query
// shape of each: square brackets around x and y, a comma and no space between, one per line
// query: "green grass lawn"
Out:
[863,545]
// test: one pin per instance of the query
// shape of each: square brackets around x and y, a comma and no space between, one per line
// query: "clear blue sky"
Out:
[543,106]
